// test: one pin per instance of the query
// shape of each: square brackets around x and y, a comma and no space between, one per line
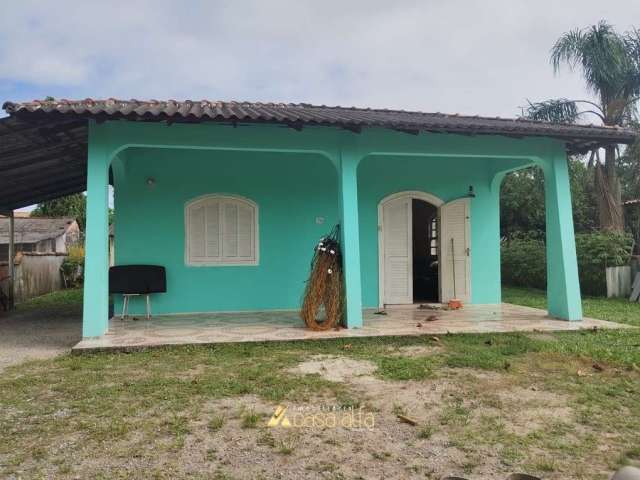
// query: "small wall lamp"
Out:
[151,181]
[471,193]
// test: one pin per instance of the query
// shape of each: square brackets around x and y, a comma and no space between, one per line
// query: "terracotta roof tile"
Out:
[302,113]
[43,144]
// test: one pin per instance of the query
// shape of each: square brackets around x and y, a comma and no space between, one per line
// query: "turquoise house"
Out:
[231,198]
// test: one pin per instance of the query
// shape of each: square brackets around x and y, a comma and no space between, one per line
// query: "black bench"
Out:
[135,280]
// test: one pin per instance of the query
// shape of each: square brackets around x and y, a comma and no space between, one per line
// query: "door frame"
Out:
[409,194]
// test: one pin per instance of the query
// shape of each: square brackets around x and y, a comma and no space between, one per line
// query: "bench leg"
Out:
[148,307]
[125,301]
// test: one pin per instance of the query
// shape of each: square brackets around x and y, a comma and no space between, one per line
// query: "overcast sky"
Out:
[474,57]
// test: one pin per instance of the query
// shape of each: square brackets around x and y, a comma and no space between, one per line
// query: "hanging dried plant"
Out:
[324,286]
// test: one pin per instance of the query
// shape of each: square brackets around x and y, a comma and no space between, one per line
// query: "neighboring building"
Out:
[41,246]
[232,198]
[39,235]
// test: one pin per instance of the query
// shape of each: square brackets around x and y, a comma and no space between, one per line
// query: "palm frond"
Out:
[632,45]
[556,110]
[601,54]
[567,49]
[631,88]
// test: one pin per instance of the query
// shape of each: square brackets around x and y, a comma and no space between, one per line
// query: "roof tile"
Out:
[207,110]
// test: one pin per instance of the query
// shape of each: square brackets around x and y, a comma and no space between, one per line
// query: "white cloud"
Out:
[452,56]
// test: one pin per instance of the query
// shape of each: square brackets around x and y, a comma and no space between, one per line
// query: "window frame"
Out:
[254,261]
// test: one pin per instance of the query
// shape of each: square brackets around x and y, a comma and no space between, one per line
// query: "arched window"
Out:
[221,230]
[433,237]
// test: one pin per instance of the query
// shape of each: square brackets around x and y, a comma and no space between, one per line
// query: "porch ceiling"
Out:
[43,144]
[41,159]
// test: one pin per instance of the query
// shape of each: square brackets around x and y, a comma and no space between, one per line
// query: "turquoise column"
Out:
[95,315]
[563,285]
[484,244]
[350,231]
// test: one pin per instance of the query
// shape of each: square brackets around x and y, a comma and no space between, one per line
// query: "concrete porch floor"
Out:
[212,328]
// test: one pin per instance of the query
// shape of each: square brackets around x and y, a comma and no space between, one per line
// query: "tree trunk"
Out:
[609,193]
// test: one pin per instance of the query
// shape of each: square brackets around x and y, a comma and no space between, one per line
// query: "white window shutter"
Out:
[221,230]
[197,233]
[213,230]
[245,231]
[230,230]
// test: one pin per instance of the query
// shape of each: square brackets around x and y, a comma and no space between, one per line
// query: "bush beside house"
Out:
[72,268]
[523,259]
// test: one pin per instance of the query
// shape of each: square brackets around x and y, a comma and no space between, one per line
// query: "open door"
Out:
[455,253]
[397,252]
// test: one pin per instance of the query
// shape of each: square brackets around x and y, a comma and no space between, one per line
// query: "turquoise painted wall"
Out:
[291,190]
[448,179]
[295,176]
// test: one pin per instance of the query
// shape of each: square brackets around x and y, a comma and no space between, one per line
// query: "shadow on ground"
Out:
[38,331]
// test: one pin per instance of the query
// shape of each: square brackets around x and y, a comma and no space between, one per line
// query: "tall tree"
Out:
[610,66]
[629,171]
[522,200]
[69,206]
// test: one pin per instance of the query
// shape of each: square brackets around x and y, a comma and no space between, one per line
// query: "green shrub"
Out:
[523,259]
[73,266]
[524,262]
[596,251]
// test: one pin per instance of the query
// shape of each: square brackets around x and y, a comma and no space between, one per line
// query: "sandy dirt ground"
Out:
[36,334]
[380,446]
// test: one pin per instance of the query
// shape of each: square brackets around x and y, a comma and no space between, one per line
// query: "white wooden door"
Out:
[455,253]
[397,251]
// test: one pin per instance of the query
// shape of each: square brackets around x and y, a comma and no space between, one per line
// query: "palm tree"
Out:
[610,65]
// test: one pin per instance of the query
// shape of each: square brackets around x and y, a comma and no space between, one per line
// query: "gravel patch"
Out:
[35,335]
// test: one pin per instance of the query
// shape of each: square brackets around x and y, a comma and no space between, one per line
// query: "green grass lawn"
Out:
[63,301]
[613,309]
[188,412]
